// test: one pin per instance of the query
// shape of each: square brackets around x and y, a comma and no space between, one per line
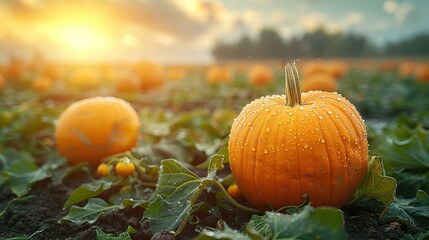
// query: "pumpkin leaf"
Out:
[228,234]
[376,184]
[88,190]
[310,223]
[104,236]
[176,194]
[414,212]
[90,212]
[412,152]
[419,236]
[21,172]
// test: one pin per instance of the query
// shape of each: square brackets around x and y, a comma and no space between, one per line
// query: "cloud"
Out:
[399,10]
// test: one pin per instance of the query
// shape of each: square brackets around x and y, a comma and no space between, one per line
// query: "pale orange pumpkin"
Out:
[422,72]
[151,75]
[284,146]
[128,83]
[94,128]
[217,74]
[319,81]
[85,78]
[407,68]
[42,84]
[260,75]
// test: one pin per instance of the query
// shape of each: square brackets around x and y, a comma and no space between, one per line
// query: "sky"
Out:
[184,31]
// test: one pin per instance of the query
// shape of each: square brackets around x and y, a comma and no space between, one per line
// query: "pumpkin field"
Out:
[89,155]
[214,120]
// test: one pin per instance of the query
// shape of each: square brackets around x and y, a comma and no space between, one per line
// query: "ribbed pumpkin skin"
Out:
[278,153]
[95,128]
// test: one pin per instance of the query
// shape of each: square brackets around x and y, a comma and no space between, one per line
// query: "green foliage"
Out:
[376,185]
[320,223]
[88,190]
[176,195]
[414,212]
[90,212]
[103,236]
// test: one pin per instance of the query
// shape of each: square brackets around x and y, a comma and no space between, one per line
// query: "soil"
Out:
[44,208]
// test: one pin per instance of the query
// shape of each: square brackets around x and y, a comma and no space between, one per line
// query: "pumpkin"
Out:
[129,83]
[388,65]
[151,75]
[94,128]
[176,73]
[313,66]
[42,84]
[319,81]
[2,82]
[215,75]
[422,72]
[407,68]
[336,68]
[284,146]
[260,75]
[85,78]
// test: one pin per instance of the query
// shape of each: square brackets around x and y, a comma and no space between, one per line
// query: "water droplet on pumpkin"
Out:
[323,140]
[322,104]
[267,109]
[306,146]
[323,96]
[329,112]
[266,151]
[337,116]
[268,130]
[280,123]
[301,108]
[320,117]
[338,99]
[291,113]
[253,149]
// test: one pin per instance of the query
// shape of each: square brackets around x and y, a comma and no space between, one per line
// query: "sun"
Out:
[80,36]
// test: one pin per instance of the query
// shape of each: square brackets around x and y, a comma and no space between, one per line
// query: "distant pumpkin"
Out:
[176,73]
[42,84]
[422,72]
[312,66]
[95,128]
[128,83]
[217,74]
[260,75]
[319,81]
[85,78]
[407,68]
[336,68]
[151,75]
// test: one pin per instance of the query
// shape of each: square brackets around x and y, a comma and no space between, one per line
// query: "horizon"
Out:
[170,31]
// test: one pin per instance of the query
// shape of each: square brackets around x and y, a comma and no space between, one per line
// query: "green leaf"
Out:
[24,237]
[89,190]
[215,164]
[410,153]
[414,212]
[419,236]
[320,223]
[176,193]
[103,236]
[22,173]
[90,212]
[227,234]
[376,184]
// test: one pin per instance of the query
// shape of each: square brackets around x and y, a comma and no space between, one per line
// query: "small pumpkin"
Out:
[151,75]
[407,68]
[313,66]
[284,146]
[336,68]
[260,75]
[94,128]
[128,83]
[217,74]
[422,72]
[85,78]
[42,84]
[319,81]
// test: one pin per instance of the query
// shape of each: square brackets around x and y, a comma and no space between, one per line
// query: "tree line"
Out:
[317,44]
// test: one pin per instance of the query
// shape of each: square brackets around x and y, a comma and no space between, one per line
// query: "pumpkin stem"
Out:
[292,85]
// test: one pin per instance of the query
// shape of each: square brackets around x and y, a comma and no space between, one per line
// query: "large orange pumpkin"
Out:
[260,75]
[284,146]
[94,128]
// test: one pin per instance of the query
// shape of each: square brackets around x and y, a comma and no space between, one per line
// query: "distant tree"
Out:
[414,46]
[269,45]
